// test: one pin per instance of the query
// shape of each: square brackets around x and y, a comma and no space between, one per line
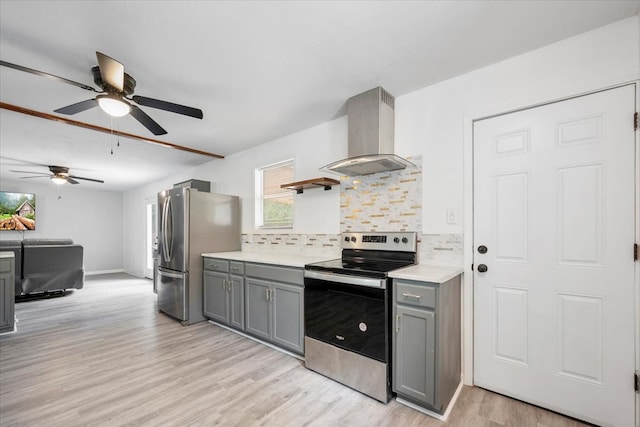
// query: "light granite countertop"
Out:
[419,272]
[427,273]
[291,260]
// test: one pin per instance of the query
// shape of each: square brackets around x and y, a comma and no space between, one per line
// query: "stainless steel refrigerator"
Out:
[191,222]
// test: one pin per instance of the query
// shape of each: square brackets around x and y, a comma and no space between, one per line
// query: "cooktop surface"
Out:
[359,267]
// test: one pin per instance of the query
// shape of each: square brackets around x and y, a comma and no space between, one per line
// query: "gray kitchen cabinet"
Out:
[7,291]
[426,342]
[258,308]
[274,305]
[223,292]
[288,316]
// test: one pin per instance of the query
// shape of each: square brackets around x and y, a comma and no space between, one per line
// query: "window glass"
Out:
[274,205]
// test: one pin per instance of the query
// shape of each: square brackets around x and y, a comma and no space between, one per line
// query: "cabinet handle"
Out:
[267,294]
[397,322]
[407,295]
[235,268]
[224,284]
[214,265]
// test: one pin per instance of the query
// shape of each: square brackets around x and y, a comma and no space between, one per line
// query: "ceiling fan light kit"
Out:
[58,180]
[59,175]
[113,105]
[115,97]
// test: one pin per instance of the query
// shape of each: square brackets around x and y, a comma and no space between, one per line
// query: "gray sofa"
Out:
[46,265]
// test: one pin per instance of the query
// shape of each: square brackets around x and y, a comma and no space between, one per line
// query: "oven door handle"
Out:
[349,280]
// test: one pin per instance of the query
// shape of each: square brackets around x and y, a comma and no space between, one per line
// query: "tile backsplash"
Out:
[384,201]
[436,249]
[303,244]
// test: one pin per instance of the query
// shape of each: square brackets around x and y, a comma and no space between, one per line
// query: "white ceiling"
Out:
[258,70]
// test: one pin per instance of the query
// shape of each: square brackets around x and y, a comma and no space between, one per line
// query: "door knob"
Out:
[482,249]
[482,268]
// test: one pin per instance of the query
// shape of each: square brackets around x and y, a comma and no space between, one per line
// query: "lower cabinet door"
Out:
[288,316]
[236,302]
[257,307]
[414,354]
[215,296]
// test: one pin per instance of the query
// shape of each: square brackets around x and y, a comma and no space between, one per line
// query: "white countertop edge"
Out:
[291,260]
[427,273]
[419,272]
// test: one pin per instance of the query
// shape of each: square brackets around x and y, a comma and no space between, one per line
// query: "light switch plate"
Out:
[452,216]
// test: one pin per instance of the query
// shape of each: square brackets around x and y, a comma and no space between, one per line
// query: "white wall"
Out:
[316,211]
[433,122]
[436,122]
[90,218]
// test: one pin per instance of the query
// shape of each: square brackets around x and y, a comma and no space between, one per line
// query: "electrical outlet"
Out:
[452,217]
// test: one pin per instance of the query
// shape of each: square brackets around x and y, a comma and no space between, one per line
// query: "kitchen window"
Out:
[274,205]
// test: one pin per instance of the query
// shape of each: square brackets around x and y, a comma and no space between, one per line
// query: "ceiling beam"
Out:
[64,120]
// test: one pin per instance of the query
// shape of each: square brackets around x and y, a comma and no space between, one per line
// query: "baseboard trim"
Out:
[441,417]
[258,340]
[97,272]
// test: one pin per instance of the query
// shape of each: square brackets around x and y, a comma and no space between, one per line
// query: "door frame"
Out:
[148,251]
[468,219]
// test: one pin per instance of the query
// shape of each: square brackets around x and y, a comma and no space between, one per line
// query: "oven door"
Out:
[352,317]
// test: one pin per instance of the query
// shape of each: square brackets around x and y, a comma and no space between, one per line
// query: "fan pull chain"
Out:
[111,138]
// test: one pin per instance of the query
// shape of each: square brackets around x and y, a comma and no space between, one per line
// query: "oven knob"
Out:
[353,239]
[405,240]
[346,239]
[396,240]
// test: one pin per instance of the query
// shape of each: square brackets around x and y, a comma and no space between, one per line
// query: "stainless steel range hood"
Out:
[371,118]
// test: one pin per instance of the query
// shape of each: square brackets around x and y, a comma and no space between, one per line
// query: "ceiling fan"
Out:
[115,97]
[59,175]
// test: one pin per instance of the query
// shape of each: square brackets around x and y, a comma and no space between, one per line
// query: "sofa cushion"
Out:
[51,267]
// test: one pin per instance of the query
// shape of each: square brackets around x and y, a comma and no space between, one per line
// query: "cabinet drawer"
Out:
[414,294]
[215,264]
[236,268]
[278,274]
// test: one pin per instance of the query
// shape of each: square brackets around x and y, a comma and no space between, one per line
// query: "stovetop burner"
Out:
[371,255]
[360,267]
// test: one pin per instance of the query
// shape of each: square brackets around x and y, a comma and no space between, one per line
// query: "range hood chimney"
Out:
[370,139]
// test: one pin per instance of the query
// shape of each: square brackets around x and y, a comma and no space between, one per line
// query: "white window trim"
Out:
[258,199]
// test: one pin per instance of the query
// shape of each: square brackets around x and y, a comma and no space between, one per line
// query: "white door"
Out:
[554,206]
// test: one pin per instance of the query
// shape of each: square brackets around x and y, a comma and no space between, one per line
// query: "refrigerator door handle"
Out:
[171,275]
[167,226]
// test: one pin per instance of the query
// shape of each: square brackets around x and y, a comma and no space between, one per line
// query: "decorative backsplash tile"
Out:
[441,249]
[305,244]
[385,201]
[436,249]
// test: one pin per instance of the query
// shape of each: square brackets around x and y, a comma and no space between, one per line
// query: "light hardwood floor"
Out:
[103,356]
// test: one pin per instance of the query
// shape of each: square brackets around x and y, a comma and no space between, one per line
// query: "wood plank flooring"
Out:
[103,356]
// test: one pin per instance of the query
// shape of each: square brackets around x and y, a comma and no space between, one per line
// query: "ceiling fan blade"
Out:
[147,121]
[168,106]
[112,71]
[87,179]
[31,172]
[71,180]
[38,176]
[47,75]
[77,107]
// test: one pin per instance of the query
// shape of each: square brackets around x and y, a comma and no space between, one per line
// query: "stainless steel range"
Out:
[347,310]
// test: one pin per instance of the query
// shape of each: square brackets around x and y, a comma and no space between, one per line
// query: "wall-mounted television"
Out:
[17,211]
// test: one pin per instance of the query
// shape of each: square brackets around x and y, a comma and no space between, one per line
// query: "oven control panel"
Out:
[388,241]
